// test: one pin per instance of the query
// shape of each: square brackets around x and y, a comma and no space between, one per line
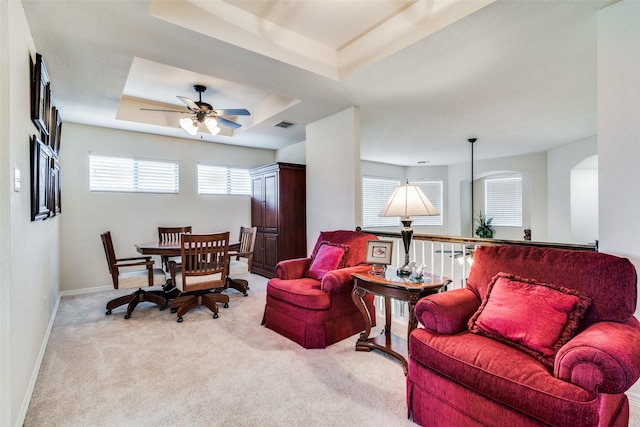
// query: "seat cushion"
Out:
[200,282]
[140,279]
[504,374]
[537,318]
[304,292]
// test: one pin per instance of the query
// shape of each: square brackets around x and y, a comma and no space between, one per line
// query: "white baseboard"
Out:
[84,291]
[36,369]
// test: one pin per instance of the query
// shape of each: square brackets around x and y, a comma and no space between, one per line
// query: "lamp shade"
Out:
[189,125]
[408,200]
[212,125]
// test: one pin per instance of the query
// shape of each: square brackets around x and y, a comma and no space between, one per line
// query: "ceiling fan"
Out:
[201,112]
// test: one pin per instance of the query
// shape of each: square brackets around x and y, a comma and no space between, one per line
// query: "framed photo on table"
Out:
[379,252]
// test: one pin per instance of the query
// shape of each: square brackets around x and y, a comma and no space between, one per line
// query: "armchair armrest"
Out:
[605,357]
[447,312]
[336,281]
[174,267]
[134,261]
[292,268]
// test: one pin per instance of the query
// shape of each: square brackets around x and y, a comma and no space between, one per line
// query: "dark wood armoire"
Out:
[278,210]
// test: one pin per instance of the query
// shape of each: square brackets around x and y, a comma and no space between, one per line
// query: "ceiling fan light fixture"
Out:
[190,125]
[212,125]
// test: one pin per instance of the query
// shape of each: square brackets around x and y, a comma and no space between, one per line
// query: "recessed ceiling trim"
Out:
[223,21]
[419,20]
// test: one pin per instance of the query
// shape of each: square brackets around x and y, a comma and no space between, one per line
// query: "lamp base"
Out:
[406,233]
[405,270]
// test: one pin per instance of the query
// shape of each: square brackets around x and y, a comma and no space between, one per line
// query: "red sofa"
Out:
[497,352]
[310,302]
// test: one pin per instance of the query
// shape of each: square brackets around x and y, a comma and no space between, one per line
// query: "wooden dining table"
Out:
[170,249]
[173,250]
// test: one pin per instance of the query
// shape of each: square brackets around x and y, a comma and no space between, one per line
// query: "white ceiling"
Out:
[518,75]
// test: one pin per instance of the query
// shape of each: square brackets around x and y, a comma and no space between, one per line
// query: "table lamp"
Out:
[406,201]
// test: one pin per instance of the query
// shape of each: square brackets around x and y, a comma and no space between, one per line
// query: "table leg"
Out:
[413,322]
[357,296]
[386,341]
[387,315]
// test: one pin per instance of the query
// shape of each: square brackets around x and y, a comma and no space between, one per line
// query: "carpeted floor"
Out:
[150,370]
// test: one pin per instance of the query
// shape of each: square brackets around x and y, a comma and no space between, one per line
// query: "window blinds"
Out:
[130,174]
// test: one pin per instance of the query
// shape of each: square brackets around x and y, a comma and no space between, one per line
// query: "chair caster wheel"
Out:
[108,312]
[226,305]
[127,316]
[215,315]
[180,319]
[246,294]
[174,310]
[162,308]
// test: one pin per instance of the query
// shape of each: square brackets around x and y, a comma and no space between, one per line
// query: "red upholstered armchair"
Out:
[553,341]
[310,301]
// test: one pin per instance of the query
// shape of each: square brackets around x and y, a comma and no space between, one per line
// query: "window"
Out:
[223,180]
[129,174]
[375,193]
[433,191]
[503,201]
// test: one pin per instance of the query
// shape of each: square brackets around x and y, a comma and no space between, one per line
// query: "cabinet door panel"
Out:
[270,212]
[270,251]
[258,251]
[257,202]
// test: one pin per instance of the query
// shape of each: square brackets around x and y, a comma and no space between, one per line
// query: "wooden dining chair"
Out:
[202,272]
[124,276]
[170,235]
[247,241]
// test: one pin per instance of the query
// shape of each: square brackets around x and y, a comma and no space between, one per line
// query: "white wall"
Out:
[334,188]
[533,165]
[561,161]
[619,134]
[295,153]
[134,217]
[6,417]
[584,206]
[29,260]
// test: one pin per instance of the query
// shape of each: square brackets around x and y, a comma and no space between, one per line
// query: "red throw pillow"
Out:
[537,318]
[329,257]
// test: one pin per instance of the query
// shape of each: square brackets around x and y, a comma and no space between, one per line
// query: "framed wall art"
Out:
[55,204]
[40,179]
[55,128]
[40,96]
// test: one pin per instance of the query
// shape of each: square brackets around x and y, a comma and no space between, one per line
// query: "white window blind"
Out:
[375,193]
[130,174]
[223,180]
[503,201]
[433,191]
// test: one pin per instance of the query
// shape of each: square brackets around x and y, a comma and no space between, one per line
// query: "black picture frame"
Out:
[55,129]
[40,179]
[40,96]
[55,202]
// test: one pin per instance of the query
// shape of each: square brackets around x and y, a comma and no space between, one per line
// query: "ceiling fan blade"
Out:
[228,123]
[189,103]
[232,112]
[166,111]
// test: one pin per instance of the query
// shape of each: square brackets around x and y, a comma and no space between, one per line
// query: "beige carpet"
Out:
[150,370]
